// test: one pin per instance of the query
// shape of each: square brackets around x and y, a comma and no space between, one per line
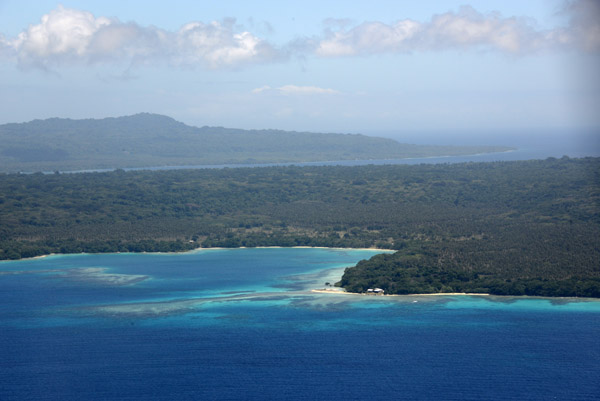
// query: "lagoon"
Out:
[243,324]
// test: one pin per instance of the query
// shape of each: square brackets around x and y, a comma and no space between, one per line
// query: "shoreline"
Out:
[316,247]
[299,163]
[382,250]
[435,294]
[286,247]
[336,290]
[441,294]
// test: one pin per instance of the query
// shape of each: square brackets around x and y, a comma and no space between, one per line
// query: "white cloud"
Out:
[306,90]
[67,35]
[217,44]
[262,89]
[370,37]
[466,29]
[63,33]
[297,90]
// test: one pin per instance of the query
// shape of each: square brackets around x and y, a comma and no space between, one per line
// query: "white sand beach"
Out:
[437,294]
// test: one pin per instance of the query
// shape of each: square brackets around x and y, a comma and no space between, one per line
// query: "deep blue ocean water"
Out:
[243,324]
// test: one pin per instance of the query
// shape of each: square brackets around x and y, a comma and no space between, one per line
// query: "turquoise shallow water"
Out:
[243,324]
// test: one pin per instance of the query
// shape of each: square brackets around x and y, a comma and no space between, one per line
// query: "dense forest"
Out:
[529,227]
[150,140]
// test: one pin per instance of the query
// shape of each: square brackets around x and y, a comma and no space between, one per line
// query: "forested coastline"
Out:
[509,228]
[150,140]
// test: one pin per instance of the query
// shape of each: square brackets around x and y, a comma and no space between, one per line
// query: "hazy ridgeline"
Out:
[149,140]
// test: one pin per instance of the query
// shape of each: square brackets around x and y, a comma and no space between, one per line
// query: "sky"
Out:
[322,66]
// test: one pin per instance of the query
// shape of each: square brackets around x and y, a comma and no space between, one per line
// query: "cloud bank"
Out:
[467,29]
[67,36]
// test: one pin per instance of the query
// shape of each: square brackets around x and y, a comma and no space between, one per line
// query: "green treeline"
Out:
[530,227]
[557,267]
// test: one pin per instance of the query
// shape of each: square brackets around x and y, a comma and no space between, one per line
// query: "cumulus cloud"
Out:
[217,44]
[297,90]
[368,38]
[66,35]
[466,29]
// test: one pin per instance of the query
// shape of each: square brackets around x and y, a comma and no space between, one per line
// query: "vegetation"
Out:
[529,227]
[149,140]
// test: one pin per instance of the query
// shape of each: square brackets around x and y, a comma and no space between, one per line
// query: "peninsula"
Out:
[151,140]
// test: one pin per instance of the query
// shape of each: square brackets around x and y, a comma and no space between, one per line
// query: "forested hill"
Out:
[148,140]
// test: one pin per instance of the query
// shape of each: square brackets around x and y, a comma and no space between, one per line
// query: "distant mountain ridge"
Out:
[148,140]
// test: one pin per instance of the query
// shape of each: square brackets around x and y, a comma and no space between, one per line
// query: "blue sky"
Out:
[325,66]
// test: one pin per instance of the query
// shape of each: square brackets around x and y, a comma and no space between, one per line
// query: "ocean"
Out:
[243,324]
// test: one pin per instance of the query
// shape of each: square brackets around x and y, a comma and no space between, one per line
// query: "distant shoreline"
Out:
[305,163]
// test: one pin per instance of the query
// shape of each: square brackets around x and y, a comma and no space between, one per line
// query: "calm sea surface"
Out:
[243,324]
